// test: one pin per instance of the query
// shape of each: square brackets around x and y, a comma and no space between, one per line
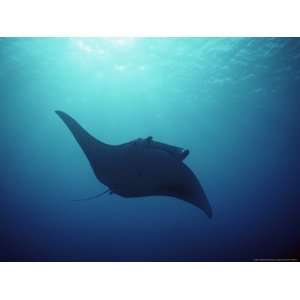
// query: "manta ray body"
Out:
[142,167]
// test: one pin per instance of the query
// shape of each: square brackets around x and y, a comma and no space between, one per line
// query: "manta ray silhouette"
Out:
[142,167]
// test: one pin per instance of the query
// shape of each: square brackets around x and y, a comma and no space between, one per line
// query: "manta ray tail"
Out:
[93,197]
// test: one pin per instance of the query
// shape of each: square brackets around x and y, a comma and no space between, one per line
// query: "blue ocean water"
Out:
[233,102]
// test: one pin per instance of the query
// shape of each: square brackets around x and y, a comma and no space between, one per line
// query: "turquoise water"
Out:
[233,102]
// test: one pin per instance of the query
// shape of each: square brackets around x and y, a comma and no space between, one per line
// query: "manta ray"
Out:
[142,167]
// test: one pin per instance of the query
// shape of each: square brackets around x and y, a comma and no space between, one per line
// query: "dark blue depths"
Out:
[233,102]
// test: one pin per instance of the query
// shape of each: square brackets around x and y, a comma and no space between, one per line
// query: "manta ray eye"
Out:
[149,139]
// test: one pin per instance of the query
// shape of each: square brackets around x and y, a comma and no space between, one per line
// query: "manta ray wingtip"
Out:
[65,117]
[208,212]
[59,112]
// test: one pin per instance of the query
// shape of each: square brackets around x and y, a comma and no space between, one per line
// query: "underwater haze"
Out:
[233,102]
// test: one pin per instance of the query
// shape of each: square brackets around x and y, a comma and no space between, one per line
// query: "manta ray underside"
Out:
[142,167]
